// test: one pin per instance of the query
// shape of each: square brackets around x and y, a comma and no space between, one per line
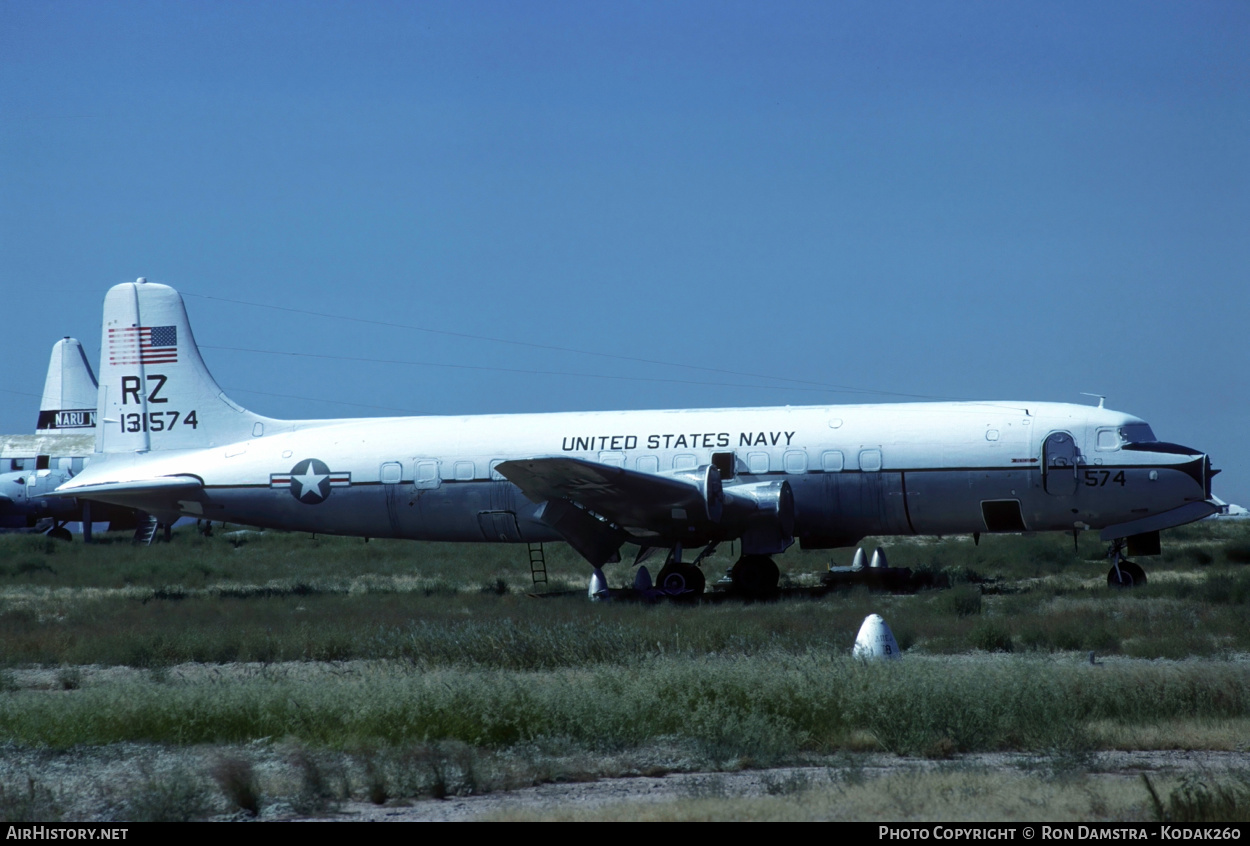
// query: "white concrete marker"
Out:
[875,641]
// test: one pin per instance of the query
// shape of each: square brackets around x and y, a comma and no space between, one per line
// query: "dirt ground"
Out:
[96,783]
[674,787]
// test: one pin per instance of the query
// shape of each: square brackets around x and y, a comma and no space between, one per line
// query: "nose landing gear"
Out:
[1123,573]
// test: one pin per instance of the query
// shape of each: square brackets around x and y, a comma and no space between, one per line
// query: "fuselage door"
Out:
[499,526]
[1059,462]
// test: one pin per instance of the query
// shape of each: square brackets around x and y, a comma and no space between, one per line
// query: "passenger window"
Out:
[795,461]
[870,460]
[757,462]
[391,472]
[464,471]
[648,464]
[831,461]
[427,474]
[495,474]
[685,461]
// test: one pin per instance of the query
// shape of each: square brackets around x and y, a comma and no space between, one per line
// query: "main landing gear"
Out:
[676,577]
[752,576]
[1123,573]
[755,576]
[681,578]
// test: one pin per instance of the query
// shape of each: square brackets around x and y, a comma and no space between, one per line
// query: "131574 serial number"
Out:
[157,421]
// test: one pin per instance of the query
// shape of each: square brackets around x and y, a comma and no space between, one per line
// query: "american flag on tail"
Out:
[143,345]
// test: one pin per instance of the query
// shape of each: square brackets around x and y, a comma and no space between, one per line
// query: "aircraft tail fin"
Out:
[69,392]
[155,391]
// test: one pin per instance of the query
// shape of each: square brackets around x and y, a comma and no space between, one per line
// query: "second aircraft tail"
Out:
[69,392]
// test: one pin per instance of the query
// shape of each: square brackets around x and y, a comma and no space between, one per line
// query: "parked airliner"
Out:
[32,466]
[171,443]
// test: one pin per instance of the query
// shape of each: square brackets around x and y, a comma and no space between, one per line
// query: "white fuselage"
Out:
[170,442]
[859,470]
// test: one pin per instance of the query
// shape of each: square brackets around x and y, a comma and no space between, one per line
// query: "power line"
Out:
[553,348]
[512,369]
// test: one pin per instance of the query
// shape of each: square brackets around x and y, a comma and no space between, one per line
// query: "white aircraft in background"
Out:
[32,466]
[171,443]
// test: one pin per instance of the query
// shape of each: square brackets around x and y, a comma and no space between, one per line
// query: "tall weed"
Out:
[1204,797]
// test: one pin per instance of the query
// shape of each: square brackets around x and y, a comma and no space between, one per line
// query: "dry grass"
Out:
[1228,734]
[338,670]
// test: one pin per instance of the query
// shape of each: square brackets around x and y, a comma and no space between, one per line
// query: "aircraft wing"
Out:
[628,498]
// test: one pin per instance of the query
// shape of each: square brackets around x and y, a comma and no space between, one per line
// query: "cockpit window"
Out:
[1108,439]
[1137,433]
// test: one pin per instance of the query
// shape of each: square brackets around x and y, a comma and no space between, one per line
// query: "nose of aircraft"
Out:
[1193,462]
[1199,469]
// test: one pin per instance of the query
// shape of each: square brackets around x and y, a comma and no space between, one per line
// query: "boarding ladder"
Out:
[538,563]
[145,532]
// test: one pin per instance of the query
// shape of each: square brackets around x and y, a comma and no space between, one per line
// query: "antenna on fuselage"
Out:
[1101,398]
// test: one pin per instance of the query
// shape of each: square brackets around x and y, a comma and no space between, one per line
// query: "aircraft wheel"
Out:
[60,533]
[1130,575]
[755,575]
[681,577]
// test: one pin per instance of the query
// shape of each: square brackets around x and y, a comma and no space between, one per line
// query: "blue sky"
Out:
[948,200]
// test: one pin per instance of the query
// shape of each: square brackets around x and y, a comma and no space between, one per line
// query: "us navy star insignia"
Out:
[310,481]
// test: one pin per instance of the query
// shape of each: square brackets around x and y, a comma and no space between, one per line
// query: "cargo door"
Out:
[499,526]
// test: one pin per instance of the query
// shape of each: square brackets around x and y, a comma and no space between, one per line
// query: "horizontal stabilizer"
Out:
[159,494]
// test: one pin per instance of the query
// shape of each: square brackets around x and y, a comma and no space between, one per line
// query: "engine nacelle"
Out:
[761,514]
[764,514]
[712,493]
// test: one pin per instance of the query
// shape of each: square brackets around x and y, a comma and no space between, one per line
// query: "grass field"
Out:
[395,670]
